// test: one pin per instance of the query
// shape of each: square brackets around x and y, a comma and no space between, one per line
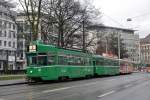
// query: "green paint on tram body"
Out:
[48,62]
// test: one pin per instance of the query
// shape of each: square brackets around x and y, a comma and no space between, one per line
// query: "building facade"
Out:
[130,39]
[145,49]
[24,38]
[8,37]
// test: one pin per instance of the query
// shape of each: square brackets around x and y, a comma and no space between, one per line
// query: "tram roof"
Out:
[46,47]
[100,56]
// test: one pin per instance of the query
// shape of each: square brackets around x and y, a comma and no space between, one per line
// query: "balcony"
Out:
[20,59]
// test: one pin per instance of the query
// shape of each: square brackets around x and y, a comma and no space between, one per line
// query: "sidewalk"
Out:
[12,82]
[12,77]
[7,80]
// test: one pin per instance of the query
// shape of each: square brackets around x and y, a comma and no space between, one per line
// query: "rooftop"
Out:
[145,40]
[6,3]
[110,27]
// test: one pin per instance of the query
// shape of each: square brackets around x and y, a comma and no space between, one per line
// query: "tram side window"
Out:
[90,61]
[42,60]
[32,60]
[70,60]
[51,60]
[73,60]
[109,62]
[116,63]
[113,62]
[78,61]
[99,62]
[102,61]
[62,60]
[106,62]
[82,61]
[87,61]
[65,60]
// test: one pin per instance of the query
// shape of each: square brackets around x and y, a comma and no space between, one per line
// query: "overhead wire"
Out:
[113,20]
[140,15]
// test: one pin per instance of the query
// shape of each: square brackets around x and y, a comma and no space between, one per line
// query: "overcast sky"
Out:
[115,13]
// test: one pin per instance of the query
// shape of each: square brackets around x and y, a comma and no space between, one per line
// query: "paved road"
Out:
[125,87]
[11,82]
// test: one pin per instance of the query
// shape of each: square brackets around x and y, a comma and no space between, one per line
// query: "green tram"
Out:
[47,62]
[105,66]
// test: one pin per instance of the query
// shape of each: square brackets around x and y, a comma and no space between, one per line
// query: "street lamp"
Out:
[106,45]
[129,19]
[119,47]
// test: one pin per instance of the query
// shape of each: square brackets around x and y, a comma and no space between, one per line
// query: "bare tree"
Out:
[64,19]
[32,10]
[113,44]
[102,42]
[108,43]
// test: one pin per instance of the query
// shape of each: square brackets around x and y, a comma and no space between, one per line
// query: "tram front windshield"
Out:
[39,60]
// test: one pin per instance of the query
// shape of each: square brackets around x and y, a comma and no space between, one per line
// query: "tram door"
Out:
[94,66]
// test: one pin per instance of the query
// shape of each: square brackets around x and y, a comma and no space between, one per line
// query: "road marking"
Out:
[64,88]
[54,90]
[112,80]
[30,96]
[105,94]
[128,85]
[92,83]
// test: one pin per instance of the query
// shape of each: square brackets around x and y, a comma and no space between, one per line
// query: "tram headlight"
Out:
[39,70]
[31,71]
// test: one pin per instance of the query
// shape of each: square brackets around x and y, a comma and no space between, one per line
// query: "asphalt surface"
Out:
[135,86]
[12,82]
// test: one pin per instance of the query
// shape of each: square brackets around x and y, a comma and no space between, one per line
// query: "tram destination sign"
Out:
[32,48]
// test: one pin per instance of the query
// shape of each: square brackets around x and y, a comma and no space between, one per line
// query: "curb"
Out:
[11,84]
[5,78]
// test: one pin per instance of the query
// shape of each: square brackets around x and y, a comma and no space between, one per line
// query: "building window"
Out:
[9,52]
[5,43]
[9,25]
[0,42]
[0,33]
[0,14]
[14,26]
[14,35]
[21,26]
[9,34]
[0,65]
[0,23]
[5,34]
[5,24]
[9,44]
[13,44]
